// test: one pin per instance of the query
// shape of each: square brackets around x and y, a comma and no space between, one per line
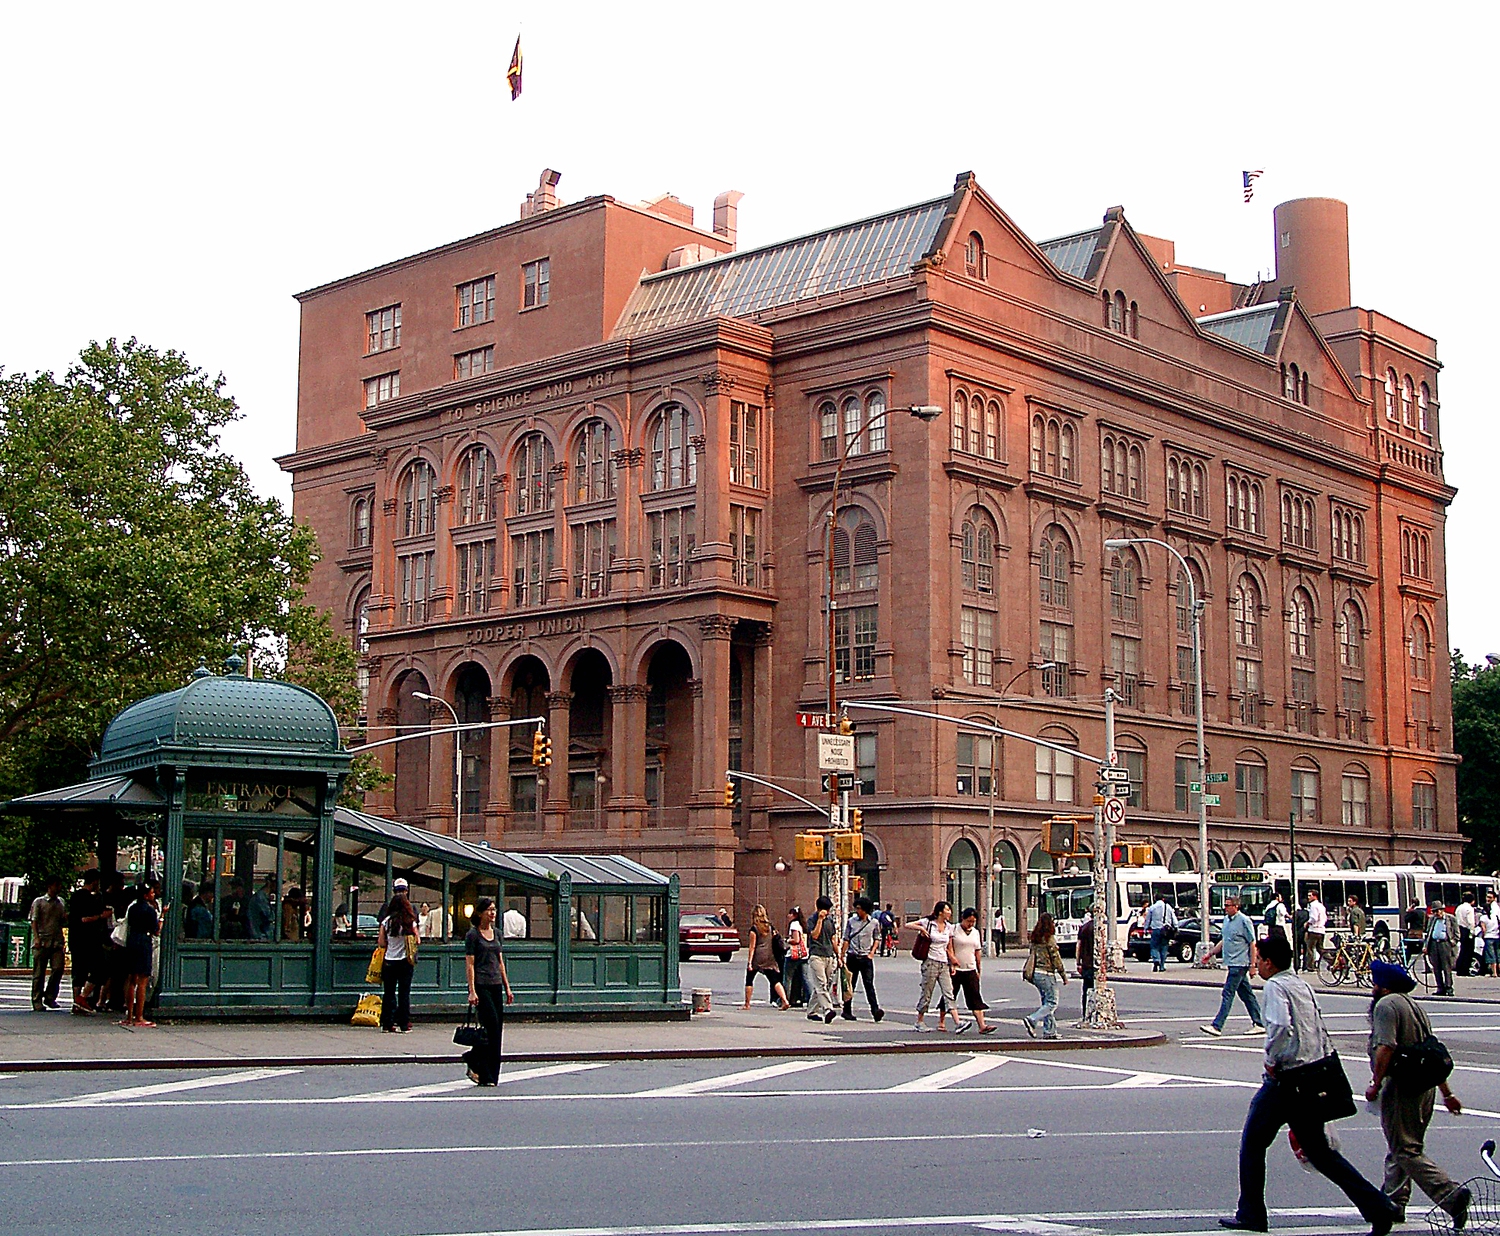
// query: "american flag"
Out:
[1249,179]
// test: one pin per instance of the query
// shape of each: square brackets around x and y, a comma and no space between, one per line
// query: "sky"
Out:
[177,172]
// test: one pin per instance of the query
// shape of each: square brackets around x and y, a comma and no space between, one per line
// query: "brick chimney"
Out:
[727,214]
[545,197]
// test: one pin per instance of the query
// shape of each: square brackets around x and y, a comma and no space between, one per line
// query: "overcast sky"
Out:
[176,173]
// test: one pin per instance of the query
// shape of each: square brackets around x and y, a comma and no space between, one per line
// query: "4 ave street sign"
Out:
[817,720]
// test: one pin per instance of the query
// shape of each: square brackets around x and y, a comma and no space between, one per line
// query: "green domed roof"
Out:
[233,712]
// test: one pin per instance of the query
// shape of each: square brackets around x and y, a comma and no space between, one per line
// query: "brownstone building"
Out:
[580,467]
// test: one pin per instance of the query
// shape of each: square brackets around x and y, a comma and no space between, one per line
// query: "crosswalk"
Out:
[603,1081]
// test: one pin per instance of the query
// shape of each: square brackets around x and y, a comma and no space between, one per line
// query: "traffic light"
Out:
[856,819]
[857,884]
[846,726]
[848,847]
[809,847]
[1060,835]
[729,791]
[1131,855]
[541,748]
[1119,855]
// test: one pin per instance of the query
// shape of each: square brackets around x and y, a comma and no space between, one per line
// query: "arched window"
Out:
[1305,791]
[1054,442]
[1351,638]
[1124,586]
[674,460]
[1390,394]
[1250,785]
[1176,485]
[978,555]
[593,462]
[1408,398]
[1421,651]
[1108,309]
[1355,796]
[1299,628]
[1424,408]
[476,469]
[1247,613]
[1135,473]
[1305,398]
[1134,321]
[976,265]
[1117,313]
[976,425]
[418,500]
[362,651]
[1055,565]
[960,422]
[1065,462]
[1288,383]
[1424,804]
[1200,492]
[875,419]
[828,430]
[992,422]
[856,564]
[1055,781]
[533,471]
[1038,430]
[359,523]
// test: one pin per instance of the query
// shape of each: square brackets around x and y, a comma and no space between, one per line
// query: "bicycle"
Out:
[1484,1204]
[1346,961]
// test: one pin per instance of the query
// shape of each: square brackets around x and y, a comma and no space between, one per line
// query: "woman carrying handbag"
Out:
[489,993]
[398,937]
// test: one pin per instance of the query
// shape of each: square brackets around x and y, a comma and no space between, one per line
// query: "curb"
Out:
[562,1057]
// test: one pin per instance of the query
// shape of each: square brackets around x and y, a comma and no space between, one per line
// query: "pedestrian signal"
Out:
[809,847]
[857,884]
[1060,835]
[541,748]
[848,847]
[729,791]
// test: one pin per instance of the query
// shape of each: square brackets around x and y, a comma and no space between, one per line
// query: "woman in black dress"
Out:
[487,982]
[142,925]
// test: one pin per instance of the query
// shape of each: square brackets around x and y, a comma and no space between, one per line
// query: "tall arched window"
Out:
[1408,398]
[1303,678]
[1187,700]
[1351,672]
[533,471]
[476,469]
[418,500]
[1421,651]
[1247,613]
[674,461]
[828,430]
[359,523]
[1124,586]
[1390,394]
[1424,408]
[1038,430]
[1055,566]
[1069,452]
[1299,627]
[362,651]
[1135,472]
[976,265]
[960,428]
[976,425]
[856,562]
[593,462]
[978,555]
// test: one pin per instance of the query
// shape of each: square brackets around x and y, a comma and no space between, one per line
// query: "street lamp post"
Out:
[926,413]
[458,762]
[1204,919]
[990,863]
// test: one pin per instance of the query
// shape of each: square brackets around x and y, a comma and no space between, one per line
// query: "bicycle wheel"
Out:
[1419,970]
[1331,968]
[1361,969]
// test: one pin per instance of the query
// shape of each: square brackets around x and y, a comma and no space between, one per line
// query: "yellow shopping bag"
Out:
[367,1011]
[377,964]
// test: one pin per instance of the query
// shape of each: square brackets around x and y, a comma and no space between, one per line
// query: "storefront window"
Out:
[586,918]
[616,920]
[246,887]
[650,913]
[359,890]
[527,914]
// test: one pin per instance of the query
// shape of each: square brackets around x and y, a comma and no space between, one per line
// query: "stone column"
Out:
[758,750]
[711,715]
[627,755]
[558,705]
[497,814]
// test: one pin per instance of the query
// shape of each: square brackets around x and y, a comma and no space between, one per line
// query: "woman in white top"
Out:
[966,944]
[937,968]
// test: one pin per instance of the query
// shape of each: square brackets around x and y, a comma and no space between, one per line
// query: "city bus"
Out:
[1067,898]
[1384,892]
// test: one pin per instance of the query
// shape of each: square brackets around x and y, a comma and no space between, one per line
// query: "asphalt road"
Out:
[1113,1142]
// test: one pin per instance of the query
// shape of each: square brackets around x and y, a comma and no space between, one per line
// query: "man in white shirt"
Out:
[1317,924]
[513,925]
[1490,920]
[1295,1036]
[1160,923]
[1467,916]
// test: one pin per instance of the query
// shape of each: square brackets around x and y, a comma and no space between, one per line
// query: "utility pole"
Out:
[1103,1012]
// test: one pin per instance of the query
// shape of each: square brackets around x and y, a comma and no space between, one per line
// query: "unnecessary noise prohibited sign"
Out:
[835,752]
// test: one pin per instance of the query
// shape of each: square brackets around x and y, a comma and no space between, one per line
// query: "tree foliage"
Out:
[132,549]
[1476,738]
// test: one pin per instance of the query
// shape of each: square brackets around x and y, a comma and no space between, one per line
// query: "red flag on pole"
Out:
[513,74]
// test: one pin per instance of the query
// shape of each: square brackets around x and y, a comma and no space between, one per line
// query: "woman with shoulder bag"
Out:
[937,967]
[398,930]
[762,948]
[1044,970]
[489,992]
[142,926]
[794,967]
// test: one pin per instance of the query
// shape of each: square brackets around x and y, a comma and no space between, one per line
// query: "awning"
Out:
[107,793]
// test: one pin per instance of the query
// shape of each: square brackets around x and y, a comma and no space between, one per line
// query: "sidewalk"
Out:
[59,1041]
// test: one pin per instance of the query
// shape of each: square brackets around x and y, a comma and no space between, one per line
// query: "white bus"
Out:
[1068,897]
[1384,892]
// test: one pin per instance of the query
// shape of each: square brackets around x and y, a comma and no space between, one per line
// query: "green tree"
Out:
[132,548]
[1476,738]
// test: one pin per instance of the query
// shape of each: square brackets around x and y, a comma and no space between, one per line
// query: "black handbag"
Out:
[1422,1066]
[1320,1089]
[471,1032]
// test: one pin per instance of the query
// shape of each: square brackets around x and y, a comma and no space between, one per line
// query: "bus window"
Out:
[1135,896]
[1284,887]
[1333,894]
[1254,898]
[1378,893]
[1187,897]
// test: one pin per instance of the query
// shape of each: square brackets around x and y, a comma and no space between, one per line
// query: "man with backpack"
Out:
[1407,1066]
[1161,924]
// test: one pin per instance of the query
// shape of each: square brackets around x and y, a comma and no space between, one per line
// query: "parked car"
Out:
[704,934]
[1184,945]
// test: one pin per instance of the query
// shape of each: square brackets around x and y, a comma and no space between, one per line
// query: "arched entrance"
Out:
[670,739]
[1005,885]
[963,876]
[529,685]
[413,759]
[589,730]
[1038,867]
[471,700]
